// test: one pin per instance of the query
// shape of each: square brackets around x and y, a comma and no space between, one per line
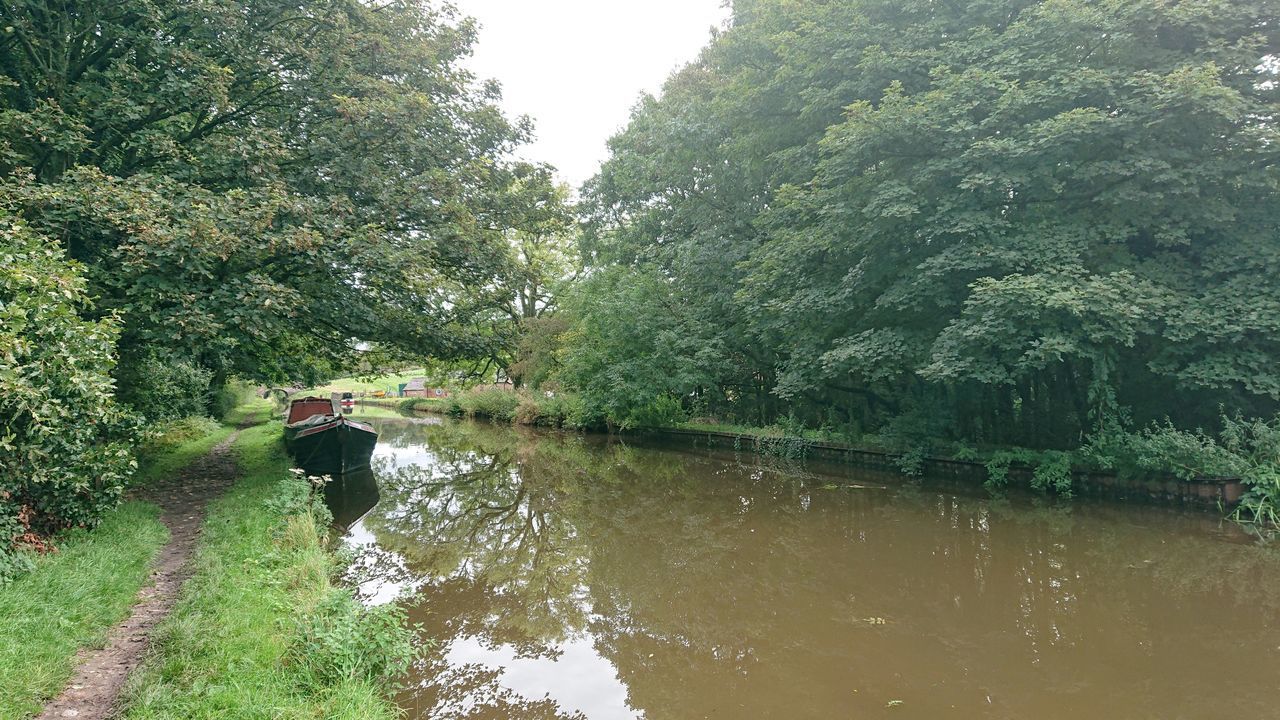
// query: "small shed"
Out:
[416,387]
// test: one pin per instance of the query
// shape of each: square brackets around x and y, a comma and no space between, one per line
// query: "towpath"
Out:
[183,498]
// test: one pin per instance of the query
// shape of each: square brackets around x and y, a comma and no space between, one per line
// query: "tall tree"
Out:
[1006,220]
[251,181]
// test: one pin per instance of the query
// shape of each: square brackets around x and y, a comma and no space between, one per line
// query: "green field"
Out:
[363,383]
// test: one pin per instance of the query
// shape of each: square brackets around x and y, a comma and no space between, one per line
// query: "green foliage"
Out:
[231,396]
[1248,449]
[231,212]
[551,409]
[340,640]
[911,463]
[486,402]
[1053,472]
[1019,216]
[262,574]
[998,466]
[164,387]
[64,442]
[164,438]
[632,349]
[661,412]
[538,350]
[787,447]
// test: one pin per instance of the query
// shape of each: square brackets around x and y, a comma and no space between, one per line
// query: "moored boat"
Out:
[325,442]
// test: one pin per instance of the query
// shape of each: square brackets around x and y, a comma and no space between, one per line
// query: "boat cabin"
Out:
[304,408]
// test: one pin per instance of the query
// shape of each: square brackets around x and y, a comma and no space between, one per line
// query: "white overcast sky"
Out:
[578,66]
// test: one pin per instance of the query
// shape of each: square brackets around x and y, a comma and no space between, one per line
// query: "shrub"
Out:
[64,442]
[911,463]
[662,411]
[491,403]
[557,410]
[164,387]
[578,413]
[1248,449]
[343,640]
[530,411]
[1050,469]
[171,434]
[231,396]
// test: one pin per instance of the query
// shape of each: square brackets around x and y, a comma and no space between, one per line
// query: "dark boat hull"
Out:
[350,497]
[333,447]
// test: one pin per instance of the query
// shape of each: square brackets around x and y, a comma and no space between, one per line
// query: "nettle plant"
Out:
[64,443]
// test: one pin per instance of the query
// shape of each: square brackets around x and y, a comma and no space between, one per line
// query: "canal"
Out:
[562,576]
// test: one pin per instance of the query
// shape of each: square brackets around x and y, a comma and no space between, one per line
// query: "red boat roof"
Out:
[303,408]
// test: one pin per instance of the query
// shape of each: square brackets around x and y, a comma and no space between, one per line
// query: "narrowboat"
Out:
[325,442]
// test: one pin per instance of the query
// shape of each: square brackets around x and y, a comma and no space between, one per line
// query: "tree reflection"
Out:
[722,585]
[494,522]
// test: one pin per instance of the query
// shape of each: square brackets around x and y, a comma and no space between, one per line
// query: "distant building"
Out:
[416,387]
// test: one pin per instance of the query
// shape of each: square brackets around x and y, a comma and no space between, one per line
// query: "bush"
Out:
[171,434]
[231,396]
[1248,449]
[490,402]
[579,414]
[164,387]
[557,410]
[343,640]
[529,411]
[1050,469]
[64,442]
[661,412]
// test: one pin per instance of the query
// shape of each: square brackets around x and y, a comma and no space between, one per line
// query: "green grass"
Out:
[224,652]
[772,431]
[363,384]
[74,596]
[437,405]
[178,448]
[254,412]
[71,599]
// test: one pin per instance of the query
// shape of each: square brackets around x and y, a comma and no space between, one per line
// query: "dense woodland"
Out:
[996,223]
[1008,220]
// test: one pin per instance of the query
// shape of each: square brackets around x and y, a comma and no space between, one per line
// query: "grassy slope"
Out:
[76,595]
[356,384]
[222,652]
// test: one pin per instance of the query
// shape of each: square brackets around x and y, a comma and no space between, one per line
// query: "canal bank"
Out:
[242,622]
[1207,494]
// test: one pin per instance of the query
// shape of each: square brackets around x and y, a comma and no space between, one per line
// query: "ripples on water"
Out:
[557,576]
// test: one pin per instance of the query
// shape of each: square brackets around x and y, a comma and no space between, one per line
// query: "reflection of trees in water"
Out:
[706,581]
[468,608]
[490,513]
[398,431]
[475,692]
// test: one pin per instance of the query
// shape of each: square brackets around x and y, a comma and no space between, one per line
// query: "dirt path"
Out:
[100,675]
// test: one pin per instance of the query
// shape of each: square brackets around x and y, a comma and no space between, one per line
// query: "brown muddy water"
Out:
[559,576]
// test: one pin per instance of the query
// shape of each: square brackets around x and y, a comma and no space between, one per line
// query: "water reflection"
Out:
[350,496]
[566,577]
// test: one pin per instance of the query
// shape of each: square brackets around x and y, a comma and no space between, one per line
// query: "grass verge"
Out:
[73,597]
[177,446]
[259,632]
[69,601]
